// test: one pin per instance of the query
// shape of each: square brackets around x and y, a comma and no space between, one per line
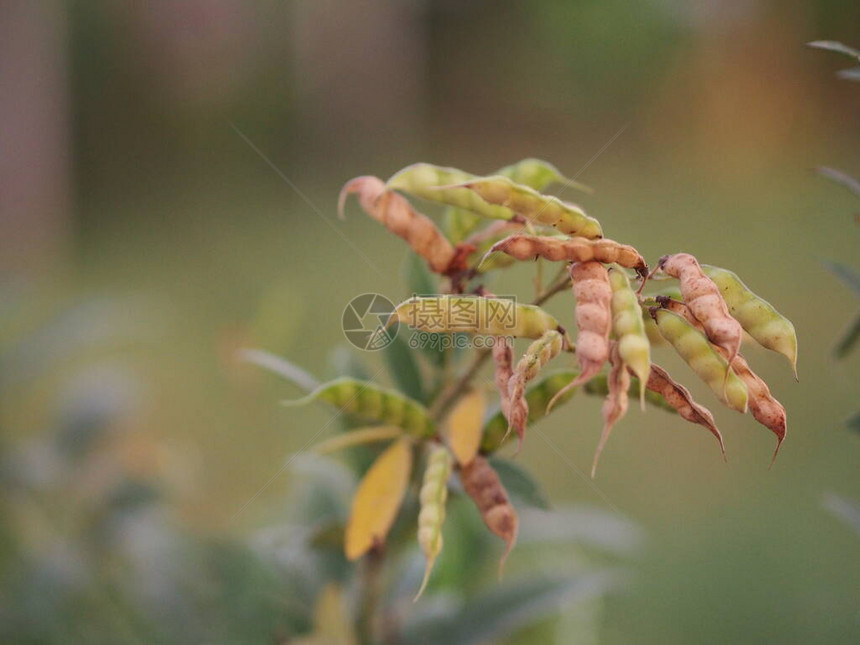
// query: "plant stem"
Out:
[368,618]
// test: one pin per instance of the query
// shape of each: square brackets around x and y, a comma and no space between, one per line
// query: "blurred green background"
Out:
[168,182]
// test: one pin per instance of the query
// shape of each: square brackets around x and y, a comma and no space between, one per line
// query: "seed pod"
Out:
[482,484]
[703,298]
[474,314]
[680,398]
[534,206]
[615,405]
[398,216]
[576,249]
[593,318]
[503,357]
[538,174]
[710,366]
[633,346]
[544,389]
[373,403]
[537,398]
[538,354]
[762,405]
[756,315]
[482,240]
[377,499]
[431,517]
[439,184]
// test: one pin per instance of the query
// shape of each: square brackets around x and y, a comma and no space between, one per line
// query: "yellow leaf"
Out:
[378,499]
[358,437]
[465,426]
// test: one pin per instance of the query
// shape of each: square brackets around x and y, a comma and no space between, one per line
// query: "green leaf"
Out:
[848,275]
[538,174]
[404,369]
[845,509]
[280,366]
[591,527]
[840,177]
[846,344]
[343,361]
[520,483]
[419,280]
[853,422]
[835,46]
[506,608]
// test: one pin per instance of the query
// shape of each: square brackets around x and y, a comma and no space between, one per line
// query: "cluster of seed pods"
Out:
[617,330]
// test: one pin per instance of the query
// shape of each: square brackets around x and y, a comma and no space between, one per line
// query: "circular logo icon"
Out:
[364,320]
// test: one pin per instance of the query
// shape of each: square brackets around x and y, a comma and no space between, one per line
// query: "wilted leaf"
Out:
[465,426]
[845,509]
[519,483]
[505,609]
[378,499]
[848,275]
[846,344]
[281,367]
[840,177]
[835,46]
[357,437]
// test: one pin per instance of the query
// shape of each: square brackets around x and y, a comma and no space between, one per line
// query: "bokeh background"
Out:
[168,182]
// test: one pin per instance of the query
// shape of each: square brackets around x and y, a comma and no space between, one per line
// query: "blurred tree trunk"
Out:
[34,150]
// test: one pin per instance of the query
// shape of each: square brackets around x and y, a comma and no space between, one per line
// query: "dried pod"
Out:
[709,365]
[503,357]
[398,216]
[615,405]
[373,403]
[756,315]
[378,499]
[534,206]
[633,345]
[538,354]
[575,249]
[680,398]
[431,517]
[593,318]
[474,314]
[703,298]
[482,484]
[537,396]
[762,405]
[436,183]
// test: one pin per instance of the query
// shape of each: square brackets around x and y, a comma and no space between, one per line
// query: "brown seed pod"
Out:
[483,485]
[573,249]
[593,318]
[762,405]
[395,213]
[616,402]
[503,357]
[538,354]
[680,398]
[706,303]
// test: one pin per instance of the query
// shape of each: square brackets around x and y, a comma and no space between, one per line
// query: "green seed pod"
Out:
[431,517]
[693,346]
[373,403]
[476,315]
[538,174]
[440,184]
[757,316]
[633,346]
[537,355]
[534,206]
